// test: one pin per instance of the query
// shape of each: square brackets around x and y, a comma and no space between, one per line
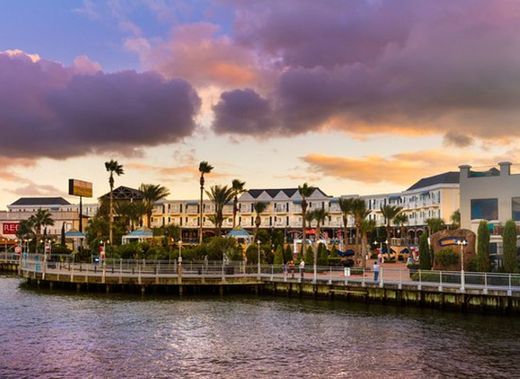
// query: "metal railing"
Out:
[387,277]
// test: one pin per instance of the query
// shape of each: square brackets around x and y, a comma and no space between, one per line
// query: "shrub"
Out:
[323,256]
[446,258]
[278,256]
[483,262]
[309,256]
[510,250]
[287,254]
[425,262]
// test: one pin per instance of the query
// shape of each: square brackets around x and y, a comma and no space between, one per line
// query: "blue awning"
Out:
[74,234]
[140,233]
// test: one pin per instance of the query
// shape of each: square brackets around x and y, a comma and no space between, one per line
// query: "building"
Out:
[431,197]
[62,212]
[493,196]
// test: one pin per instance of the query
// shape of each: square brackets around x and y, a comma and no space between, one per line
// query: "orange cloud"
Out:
[403,168]
[8,168]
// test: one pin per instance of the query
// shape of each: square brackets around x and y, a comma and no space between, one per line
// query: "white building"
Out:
[492,195]
[62,212]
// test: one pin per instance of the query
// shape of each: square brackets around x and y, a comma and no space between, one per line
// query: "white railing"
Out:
[387,277]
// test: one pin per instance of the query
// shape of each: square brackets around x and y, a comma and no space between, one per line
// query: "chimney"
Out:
[464,171]
[505,168]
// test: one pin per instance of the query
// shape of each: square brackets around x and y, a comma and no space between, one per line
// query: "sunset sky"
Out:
[351,96]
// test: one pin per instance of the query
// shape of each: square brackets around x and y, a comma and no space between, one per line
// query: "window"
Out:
[516,208]
[484,209]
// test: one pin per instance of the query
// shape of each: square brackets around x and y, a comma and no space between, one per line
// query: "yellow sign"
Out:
[80,188]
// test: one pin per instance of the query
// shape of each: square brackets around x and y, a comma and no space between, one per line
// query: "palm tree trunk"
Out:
[235,200]
[111,216]
[363,249]
[200,210]
[304,239]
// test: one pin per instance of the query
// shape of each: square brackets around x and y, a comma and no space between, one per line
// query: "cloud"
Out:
[47,109]
[197,53]
[9,167]
[404,168]
[458,140]
[366,67]
[33,189]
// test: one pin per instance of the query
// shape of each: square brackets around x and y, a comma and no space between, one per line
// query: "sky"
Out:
[353,96]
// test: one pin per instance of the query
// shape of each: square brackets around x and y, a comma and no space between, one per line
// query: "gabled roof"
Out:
[450,177]
[125,193]
[272,192]
[40,201]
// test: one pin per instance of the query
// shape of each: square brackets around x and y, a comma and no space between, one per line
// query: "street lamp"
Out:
[462,244]
[258,242]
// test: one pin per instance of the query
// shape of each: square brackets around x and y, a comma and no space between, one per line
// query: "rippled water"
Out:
[56,334]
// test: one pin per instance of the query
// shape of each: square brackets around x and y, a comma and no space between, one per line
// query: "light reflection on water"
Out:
[51,334]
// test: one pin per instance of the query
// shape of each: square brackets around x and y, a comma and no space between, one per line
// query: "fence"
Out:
[388,277]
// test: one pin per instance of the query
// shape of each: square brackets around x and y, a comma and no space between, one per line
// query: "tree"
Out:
[367,226]
[425,261]
[287,254]
[319,215]
[238,188]
[434,225]
[345,205]
[360,213]
[400,220]
[305,192]
[220,196]
[455,219]
[309,256]
[510,258]
[259,207]
[278,256]
[62,241]
[204,168]
[151,194]
[323,256]
[113,167]
[483,262]
[41,219]
[390,212]
[130,213]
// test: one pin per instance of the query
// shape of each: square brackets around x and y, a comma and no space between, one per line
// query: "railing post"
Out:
[485,284]
[420,280]
[440,281]
[509,291]
[330,275]
[138,273]
[224,272]
[120,271]
[363,284]
[72,272]
[400,285]
[157,267]
[272,273]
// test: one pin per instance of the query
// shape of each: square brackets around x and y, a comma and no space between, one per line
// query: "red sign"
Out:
[10,227]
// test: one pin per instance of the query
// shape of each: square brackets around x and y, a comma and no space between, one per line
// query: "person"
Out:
[302,268]
[409,261]
[376,272]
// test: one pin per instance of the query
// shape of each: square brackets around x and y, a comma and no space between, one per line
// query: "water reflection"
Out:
[69,335]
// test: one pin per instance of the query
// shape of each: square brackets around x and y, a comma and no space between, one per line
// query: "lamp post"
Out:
[258,242]
[462,244]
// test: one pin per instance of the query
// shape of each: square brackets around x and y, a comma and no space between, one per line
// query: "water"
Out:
[57,334]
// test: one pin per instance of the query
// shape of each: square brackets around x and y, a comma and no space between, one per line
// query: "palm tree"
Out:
[455,219]
[399,221]
[320,215]
[345,205]
[41,219]
[367,226]
[113,167]
[151,194]
[434,225]
[220,196]
[238,189]
[130,212]
[204,168]
[259,207]
[360,213]
[389,212]
[305,191]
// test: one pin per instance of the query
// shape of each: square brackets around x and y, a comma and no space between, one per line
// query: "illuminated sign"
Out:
[10,227]
[80,188]
[449,241]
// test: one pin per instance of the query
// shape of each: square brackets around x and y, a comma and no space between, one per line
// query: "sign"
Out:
[449,241]
[80,188]
[10,227]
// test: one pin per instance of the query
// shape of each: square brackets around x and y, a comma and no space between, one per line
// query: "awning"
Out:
[74,234]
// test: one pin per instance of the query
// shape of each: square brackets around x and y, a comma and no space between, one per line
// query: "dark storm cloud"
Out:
[50,110]
[367,67]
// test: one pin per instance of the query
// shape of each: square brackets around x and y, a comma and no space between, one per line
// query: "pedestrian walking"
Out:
[302,268]
[376,272]
[291,269]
